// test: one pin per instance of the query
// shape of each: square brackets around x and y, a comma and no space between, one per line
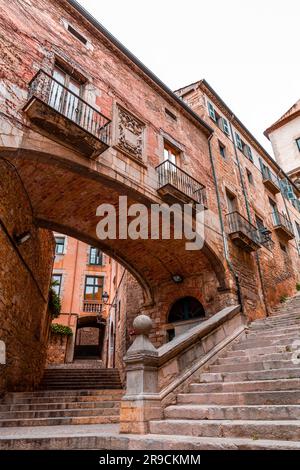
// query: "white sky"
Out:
[248,51]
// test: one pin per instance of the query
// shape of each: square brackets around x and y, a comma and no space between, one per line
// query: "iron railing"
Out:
[169,173]
[282,220]
[269,175]
[91,306]
[238,223]
[67,103]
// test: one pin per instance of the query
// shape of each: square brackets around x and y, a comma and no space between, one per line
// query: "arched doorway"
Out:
[89,338]
[184,313]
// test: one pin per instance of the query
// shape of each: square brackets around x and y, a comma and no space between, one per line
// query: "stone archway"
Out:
[89,338]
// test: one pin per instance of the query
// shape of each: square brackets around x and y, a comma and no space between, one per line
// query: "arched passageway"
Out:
[89,338]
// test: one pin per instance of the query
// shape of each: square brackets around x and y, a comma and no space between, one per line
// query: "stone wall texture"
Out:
[25,272]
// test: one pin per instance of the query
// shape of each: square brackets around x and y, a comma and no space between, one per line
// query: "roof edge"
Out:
[90,18]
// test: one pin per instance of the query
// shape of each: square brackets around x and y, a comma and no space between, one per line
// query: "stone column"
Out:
[141,402]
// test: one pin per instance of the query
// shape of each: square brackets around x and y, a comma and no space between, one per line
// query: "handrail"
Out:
[269,175]
[169,173]
[41,71]
[238,223]
[69,104]
[185,340]
[281,219]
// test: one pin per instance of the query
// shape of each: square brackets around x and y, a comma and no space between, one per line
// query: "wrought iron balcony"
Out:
[65,117]
[282,225]
[92,306]
[243,233]
[270,180]
[175,185]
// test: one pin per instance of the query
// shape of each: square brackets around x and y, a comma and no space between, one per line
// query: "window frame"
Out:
[60,276]
[211,111]
[222,149]
[98,256]
[86,284]
[60,244]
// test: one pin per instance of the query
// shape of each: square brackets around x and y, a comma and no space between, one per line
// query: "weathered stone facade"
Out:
[69,166]
[24,282]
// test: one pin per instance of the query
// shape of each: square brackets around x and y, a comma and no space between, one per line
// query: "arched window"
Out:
[187,308]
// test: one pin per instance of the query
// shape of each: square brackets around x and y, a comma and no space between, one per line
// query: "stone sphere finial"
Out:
[142,325]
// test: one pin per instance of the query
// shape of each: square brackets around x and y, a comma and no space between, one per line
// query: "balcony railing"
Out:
[281,222]
[65,103]
[270,180]
[170,175]
[91,306]
[243,233]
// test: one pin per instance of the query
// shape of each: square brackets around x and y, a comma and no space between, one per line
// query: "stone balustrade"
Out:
[155,376]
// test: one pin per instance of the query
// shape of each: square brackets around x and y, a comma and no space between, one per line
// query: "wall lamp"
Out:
[177,278]
[22,237]
[105,298]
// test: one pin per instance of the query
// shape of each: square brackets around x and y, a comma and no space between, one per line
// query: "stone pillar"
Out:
[141,402]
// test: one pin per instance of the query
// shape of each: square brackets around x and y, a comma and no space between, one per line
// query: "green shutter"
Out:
[226,126]
[211,111]
[238,141]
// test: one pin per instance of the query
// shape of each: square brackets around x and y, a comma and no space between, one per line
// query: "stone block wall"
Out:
[25,273]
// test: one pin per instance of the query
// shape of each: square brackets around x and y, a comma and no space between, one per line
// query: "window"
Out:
[171,154]
[93,288]
[186,308]
[77,35]
[222,150]
[250,177]
[170,114]
[231,202]
[243,147]
[56,281]
[298,143]
[226,128]
[221,121]
[95,256]
[275,214]
[211,111]
[59,245]
[64,94]
[238,141]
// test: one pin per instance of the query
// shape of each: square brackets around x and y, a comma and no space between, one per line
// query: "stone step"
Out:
[288,397]
[63,413]
[249,412]
[95,437]
[60,406]
[78,420]
[80,387]
[252,366]
[273,335]
[62,399]
[278,430]
[247,386]
[258,343]
[75,393]
[255,358]
[250,375]
[254,351]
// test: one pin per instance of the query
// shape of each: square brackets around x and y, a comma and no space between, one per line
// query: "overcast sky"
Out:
[249,51]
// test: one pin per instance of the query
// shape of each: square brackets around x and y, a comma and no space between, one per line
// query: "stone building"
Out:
[81,274]
[284,136]
[82,123]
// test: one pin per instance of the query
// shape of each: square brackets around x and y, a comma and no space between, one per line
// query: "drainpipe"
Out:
[225,245]
[249,215]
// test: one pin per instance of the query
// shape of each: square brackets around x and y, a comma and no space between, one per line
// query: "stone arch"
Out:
[184,309]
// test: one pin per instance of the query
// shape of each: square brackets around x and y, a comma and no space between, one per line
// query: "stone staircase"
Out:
[251,392]
[80,379]
[66,396]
